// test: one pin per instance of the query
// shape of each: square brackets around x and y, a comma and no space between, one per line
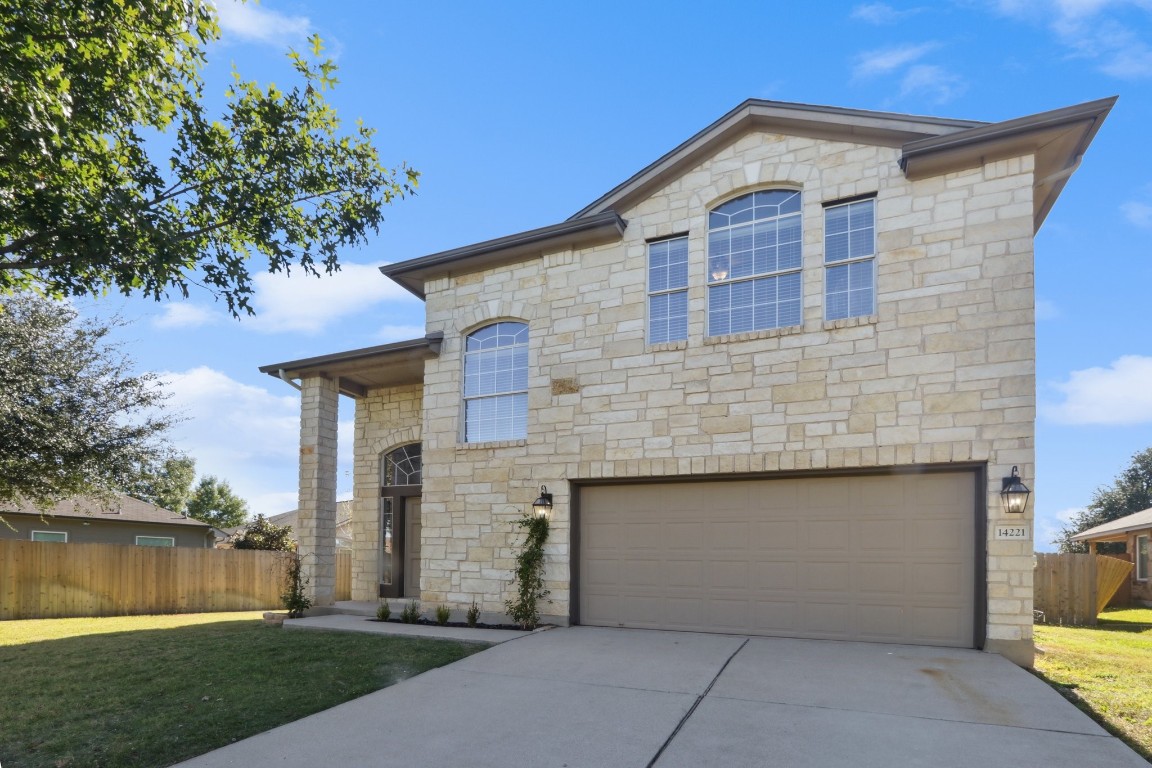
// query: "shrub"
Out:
[411,612]
[529,575]
[383,612]
[294,598]
[473,614]
[443,613]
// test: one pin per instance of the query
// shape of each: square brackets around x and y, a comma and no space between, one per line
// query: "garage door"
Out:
[881,558]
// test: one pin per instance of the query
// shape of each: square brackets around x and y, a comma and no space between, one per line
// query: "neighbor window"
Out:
[1142,558]
[754,261]
[850,260]
[668,290]
[155,541]
[496,383]
[61,536]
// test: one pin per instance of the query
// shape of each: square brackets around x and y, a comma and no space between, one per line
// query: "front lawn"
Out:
[1105,670]
[155,690]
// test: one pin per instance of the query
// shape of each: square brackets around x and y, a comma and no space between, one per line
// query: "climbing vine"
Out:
[529,574]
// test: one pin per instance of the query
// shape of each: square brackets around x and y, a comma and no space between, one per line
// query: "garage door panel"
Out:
[881,558]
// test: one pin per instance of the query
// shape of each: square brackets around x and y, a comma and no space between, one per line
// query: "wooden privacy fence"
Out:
[1073,589]
[42,580]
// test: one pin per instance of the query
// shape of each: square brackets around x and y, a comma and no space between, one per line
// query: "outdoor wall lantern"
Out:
[1014,494]
[542,507]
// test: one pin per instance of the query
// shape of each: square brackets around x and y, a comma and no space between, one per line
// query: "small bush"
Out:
[411,612]
[473,614]
[383,613]
[443,613]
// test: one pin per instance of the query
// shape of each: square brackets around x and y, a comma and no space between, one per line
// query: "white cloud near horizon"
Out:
[182,314]
[1118,395]
[254,23]
[306,304]
[247,435]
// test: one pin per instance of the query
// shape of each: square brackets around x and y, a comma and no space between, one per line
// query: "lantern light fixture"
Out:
[542,507]
[1014,493]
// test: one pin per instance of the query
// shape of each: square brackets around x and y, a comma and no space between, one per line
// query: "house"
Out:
[1134,531]
[291,519]
[124,520]
[774,383]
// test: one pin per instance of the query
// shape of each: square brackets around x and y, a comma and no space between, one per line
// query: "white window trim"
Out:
[466,398]
[52,533]
[709,283]
[169,538]
[1136,556]
[857,260]
[665,292]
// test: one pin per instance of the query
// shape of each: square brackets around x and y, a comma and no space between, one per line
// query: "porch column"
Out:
[316,520]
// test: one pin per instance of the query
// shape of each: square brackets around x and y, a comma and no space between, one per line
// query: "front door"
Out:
[399,558]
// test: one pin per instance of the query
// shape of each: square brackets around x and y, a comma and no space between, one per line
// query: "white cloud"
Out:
[254,23]
[306,304]
[185,315]
[886,60]
[390,333]
[247,435]
[1113,33]
[1117,395]
[1139,214]
[933,83]
[1046,310]
[881,13]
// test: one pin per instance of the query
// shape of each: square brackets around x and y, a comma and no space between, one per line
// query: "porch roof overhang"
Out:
[1118,529]
[358,370]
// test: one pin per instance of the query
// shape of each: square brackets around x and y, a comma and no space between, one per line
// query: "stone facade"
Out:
[316,519]
[941,376]
[944,372]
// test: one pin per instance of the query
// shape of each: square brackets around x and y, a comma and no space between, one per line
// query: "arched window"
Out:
[496,383]
[754,262]
[402,466]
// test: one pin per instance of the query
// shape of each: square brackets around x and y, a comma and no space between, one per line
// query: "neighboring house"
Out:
[124,520]
[773,382]
[1135,532]
[227,536]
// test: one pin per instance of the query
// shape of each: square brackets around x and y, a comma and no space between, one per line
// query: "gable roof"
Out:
[929,146]
[122,509]
[1133,522]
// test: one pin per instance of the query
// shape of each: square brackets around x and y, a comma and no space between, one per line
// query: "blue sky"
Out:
[518,114]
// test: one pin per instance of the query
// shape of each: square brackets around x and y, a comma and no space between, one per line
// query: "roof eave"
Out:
[346,367]
[594,230]
[1058,138]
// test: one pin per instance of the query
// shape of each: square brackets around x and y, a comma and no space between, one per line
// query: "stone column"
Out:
[316,520]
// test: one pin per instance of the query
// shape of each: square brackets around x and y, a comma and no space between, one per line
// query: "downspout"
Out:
[288,380]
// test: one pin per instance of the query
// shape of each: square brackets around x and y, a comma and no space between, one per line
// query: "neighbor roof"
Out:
[122,509]
[929,146]
[1133,522]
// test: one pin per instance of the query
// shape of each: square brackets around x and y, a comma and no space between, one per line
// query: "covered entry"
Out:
[882,558]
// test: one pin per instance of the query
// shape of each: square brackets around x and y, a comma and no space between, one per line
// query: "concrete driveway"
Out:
[587,696]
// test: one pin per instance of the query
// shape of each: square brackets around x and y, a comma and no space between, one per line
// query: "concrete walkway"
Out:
[585,696]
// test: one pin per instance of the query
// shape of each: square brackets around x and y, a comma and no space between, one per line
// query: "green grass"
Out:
[155,690]
[1105,670]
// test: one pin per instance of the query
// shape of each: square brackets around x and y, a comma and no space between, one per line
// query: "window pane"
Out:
[495,373]
[59,536]
[155,541]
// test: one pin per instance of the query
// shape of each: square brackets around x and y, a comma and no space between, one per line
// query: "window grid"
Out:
[668,290]
[496,383]
[754,263]
[850,260]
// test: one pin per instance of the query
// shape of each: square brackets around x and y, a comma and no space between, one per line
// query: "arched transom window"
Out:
[754,262]
[402,466]
[496,383]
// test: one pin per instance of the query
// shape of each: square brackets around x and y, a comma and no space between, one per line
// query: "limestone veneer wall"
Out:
[944,372]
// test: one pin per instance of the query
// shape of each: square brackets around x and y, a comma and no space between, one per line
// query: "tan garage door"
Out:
[881,558]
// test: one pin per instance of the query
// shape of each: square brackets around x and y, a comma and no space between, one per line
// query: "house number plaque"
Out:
[1012,532]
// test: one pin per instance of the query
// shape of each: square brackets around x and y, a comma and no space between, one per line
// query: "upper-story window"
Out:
[850,260]
[668,290]
[496,383]
[754,261]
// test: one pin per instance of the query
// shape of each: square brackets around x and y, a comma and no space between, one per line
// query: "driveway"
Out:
[587,696]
